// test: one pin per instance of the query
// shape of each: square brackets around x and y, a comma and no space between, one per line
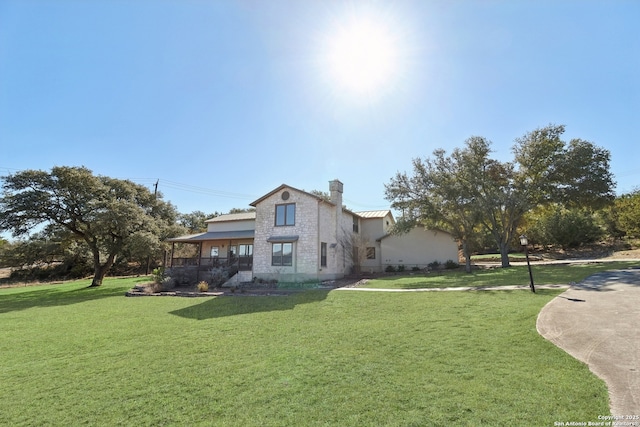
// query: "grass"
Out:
[78,356]
[517,275]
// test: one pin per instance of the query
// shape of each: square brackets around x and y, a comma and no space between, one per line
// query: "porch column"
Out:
[199,262]
[173,249]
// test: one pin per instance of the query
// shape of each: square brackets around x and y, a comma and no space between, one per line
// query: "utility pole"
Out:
[155,195]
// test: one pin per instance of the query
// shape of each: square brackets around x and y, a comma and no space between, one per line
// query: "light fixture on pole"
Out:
[525,242]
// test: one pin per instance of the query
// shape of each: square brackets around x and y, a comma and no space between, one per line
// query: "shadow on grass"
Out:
[238,305]
[61,294]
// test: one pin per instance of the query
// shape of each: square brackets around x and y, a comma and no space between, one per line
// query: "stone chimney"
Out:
[335,190]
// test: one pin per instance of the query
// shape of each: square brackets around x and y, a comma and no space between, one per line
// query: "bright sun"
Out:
[362,56]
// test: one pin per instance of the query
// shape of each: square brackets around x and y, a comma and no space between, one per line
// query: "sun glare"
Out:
[362,56]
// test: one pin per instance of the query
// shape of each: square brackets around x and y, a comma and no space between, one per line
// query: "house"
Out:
[296,236]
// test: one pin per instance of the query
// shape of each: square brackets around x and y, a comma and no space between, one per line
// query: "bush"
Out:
[390,269]
[183,276]
[434,265]
[203,286]
[568,228]
[167,283]
[158,275]
[401,268]
[219,276]
[451,265]
[415,268]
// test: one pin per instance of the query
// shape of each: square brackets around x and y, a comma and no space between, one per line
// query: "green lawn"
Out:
[516,275]
[77,356]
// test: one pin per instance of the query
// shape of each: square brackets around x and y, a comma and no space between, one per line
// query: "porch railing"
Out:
[243,263]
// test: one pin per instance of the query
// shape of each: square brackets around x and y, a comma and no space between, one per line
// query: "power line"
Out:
[364,205]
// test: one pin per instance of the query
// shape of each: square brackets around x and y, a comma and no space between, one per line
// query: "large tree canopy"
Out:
[626,214]
[109,215]
[469,189]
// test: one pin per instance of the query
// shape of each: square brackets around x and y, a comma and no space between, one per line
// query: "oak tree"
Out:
[470,188]
[109,215]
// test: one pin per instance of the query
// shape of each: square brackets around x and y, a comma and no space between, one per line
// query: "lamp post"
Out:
[525,242]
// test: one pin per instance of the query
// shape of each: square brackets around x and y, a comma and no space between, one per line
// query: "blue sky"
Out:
[222,101]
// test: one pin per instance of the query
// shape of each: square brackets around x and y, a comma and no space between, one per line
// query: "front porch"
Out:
[211,254]
[213,249]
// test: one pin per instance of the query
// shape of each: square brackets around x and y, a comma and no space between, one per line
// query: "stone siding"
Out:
[314,223]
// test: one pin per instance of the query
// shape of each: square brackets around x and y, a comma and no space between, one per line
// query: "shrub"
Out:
[569,228]
[184,276]
[158,275]
[434,265]
[203,286]
[390,269]
[167,283]
[451,264]
[415,268]
[219,275]
[401,268]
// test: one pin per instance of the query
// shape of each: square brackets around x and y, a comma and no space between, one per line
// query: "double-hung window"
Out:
[286,214]
[371,252]
[282,254]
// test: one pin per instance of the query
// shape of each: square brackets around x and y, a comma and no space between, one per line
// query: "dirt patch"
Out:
[626,254]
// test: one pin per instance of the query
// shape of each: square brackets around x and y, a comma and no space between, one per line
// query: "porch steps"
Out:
[238,278]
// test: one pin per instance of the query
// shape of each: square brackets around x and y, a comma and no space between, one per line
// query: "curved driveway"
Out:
[597,321]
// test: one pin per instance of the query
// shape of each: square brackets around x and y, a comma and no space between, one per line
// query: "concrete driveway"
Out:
[597,321]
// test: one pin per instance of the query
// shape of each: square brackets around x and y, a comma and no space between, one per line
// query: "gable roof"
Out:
[233,217]
[374,214]
[282,187]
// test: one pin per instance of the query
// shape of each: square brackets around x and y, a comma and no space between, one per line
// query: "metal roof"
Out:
[215,235]
[279,239]
[373,214]
[233,217]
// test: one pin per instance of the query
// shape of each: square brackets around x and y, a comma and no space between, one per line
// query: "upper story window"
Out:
[355,224]
[286,214]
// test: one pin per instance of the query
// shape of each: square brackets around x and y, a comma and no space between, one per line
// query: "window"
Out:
[286,214]
[323,254]
[371,253]
[282,254]
[214,251]
[355,224]
[246,250]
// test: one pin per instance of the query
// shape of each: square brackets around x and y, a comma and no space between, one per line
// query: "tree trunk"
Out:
[467,256]
[98,275]
[100,270]
[504,254]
